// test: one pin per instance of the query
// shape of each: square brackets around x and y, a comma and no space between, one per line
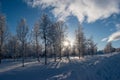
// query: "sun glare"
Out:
[66,43]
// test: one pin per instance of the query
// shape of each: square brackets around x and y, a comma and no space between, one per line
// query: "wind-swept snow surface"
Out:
[100,67]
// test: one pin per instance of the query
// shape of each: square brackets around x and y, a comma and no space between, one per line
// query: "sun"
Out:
[66,43]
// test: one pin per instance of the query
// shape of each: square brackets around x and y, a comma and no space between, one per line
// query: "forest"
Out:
[46,39]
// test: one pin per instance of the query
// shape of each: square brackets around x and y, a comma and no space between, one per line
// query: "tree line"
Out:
[45,39]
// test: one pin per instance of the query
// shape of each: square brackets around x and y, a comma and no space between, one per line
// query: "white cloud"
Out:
[114,37]
[104,39]
[92,10]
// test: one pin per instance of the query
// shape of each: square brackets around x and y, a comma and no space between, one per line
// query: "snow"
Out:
[97,67]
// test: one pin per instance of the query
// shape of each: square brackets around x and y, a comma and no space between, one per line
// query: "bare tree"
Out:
[73,48]
[22,31]
[108,48]
[12,46]
[80,41]
[56,36]
[68,49]
[92,47]
[36,36]
[53,38]
[61,36]
[3,33]
[45,24]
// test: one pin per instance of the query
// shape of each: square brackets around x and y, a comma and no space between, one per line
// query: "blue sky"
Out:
[100,19]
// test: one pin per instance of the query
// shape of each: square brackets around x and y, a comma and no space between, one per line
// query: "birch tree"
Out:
[36,37]
[80,41]
[45,24]
[3,33]
[22,31]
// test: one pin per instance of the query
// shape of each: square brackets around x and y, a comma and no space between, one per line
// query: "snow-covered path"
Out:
[100,67]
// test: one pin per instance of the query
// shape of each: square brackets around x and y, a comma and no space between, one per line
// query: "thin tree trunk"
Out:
[60,53]
[0,48]
[79,53]
[14,53]
[1,44]
[0,55]
[60,47]
[45,53]
[54,54]
[23,54]
[37,50]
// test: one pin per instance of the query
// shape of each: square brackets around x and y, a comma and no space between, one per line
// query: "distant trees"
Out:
[117,49]
[91,47]
[3,33]
[73,50]
[22,31]
[12,46]
[84,46]
[108,48]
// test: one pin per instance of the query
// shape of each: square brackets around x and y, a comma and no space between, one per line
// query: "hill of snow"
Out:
[98,67]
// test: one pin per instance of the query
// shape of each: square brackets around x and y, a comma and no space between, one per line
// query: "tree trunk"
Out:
[23,54]
[37,49]
[54,54]
[45,53]
[60,53]
[0,55]
[79,53]
[14,56]
[60,47]
[1,44]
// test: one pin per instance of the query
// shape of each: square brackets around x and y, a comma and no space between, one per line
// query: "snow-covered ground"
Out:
[99,67]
